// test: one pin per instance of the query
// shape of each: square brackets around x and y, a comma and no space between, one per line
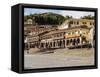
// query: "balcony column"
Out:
[40,45]
[65,43]
[52,44]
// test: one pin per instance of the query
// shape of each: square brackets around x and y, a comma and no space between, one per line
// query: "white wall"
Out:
[5,38]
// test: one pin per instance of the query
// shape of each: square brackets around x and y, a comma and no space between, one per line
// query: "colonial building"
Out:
[77,22]
[65,38]
[30,22]
[72,33]
[35,30]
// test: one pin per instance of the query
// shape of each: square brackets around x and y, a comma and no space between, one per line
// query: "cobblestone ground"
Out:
[59,58]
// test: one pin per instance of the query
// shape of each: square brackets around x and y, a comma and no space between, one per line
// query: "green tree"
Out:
[68,17]
[88,17]
[46,18]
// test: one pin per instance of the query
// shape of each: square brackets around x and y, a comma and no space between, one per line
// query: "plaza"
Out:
[59,58]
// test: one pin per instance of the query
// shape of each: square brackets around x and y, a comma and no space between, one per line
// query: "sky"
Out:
[74,14]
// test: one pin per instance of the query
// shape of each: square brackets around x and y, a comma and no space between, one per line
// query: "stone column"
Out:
[28,48]
[52,44]
[80,40]
[65,43]
[62,43]
[44,45]
[28,45]
[58,43]
[48,44]
[40,45]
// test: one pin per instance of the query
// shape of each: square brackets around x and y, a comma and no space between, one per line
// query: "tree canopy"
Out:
[46,18]
[50,18]
[88,17]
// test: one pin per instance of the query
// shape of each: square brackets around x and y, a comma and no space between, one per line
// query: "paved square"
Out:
[59,58]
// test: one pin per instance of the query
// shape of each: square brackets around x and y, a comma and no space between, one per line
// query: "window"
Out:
[84,23]
[61,34]
[71,22]
[74,22]
[77,23]
[90,23]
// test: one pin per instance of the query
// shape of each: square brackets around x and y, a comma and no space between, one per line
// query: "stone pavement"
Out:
[59,58]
